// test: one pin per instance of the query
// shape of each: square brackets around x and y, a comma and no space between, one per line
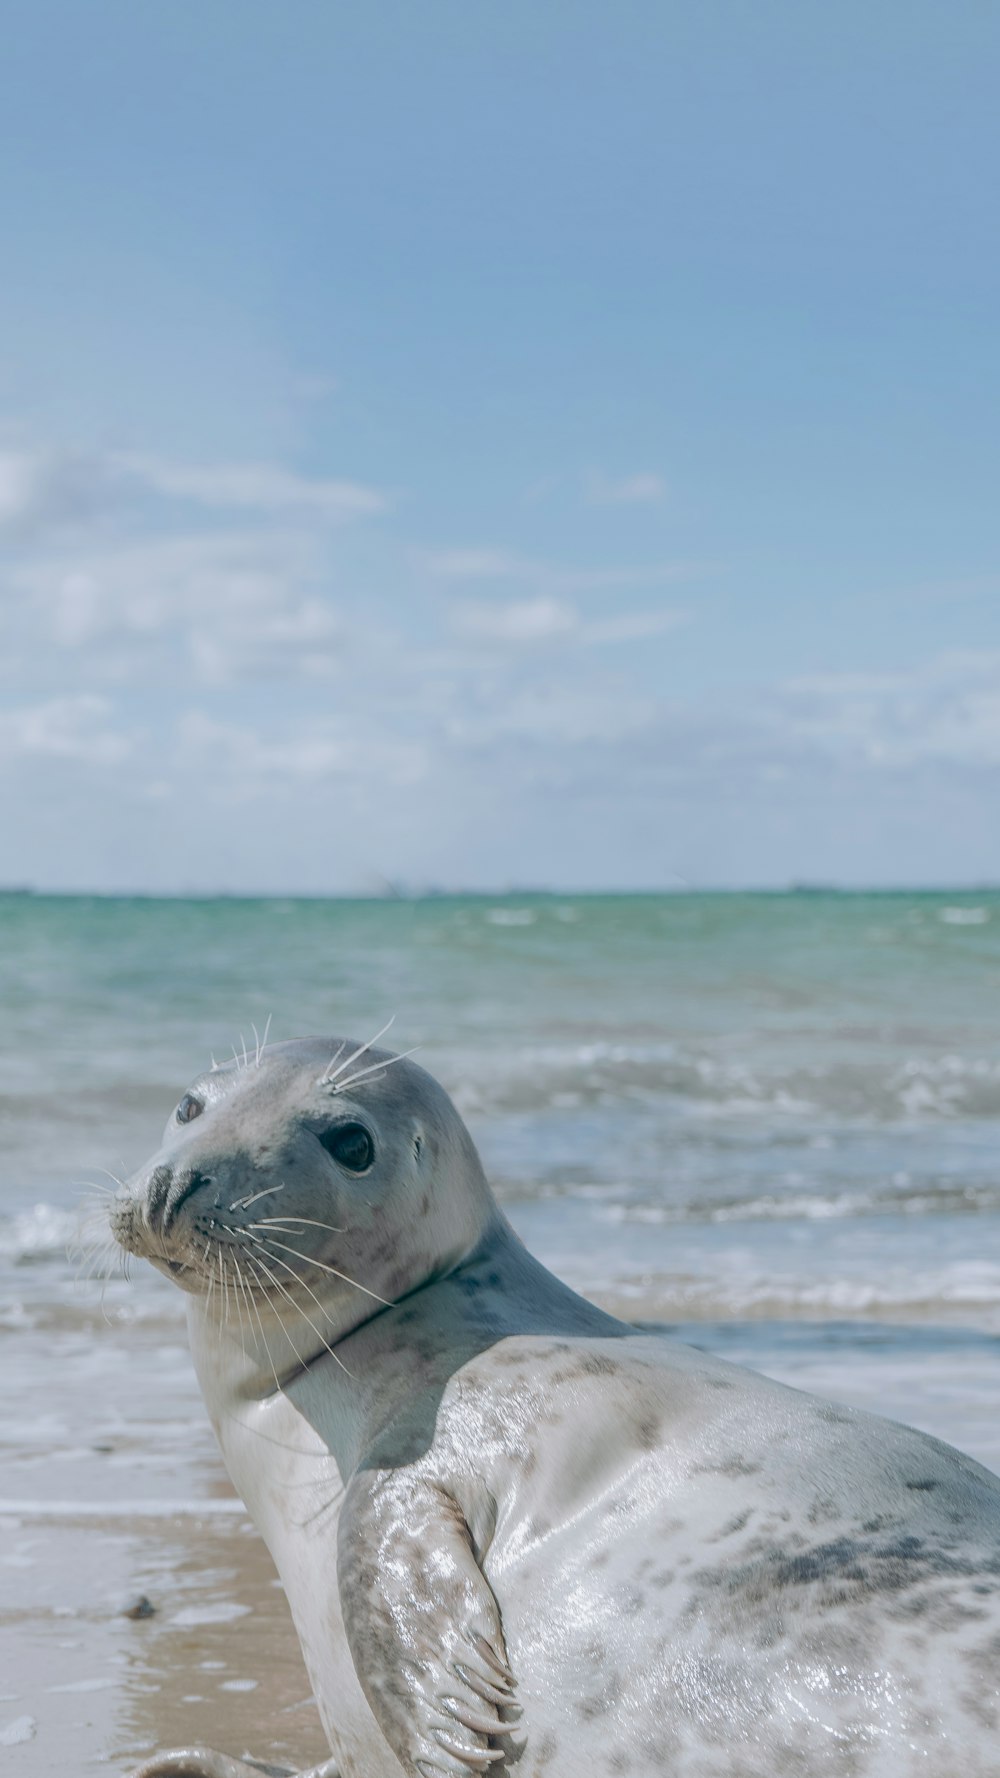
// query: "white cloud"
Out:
[257,487]
[17,485]
[643,489]
[478,564]
[945,710]
[222,607]
[41,489]
[636,626]
[553,577]
[561,716]
[525,620]
[75,729]
[310,749]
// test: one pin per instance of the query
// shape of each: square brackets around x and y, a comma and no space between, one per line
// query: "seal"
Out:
[517,1535]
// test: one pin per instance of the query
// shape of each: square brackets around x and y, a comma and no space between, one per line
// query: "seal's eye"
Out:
[351,1145]
[188,1108]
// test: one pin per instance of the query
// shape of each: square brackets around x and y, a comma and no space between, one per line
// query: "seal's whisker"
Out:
[225,1287]
[377,1069]
[334,1058]
[212,1289]
[332,1073]
[271,1242]
[94,1185]
[299,1311]
[253,1286]
[231,1285]
[275,1222]
[261,1041]
[92,1248]
[251,1304]
[280,1443]
[245,1203]
[296,1306]
[96,1256]
[239,1306]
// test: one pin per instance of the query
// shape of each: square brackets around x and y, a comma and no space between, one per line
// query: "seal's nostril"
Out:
[189,1183]
[156,1197]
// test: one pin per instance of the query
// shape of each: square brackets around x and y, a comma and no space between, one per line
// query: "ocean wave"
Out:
[43,1232]
[169,1508]
[963,1289]
[698,1084]
[946,1199]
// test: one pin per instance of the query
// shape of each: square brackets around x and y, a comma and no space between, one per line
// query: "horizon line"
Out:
[433,892]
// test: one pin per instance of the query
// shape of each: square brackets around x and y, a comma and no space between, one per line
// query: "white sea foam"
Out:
[122,1509]
[223,1612]
[837,1081]
[19,1730]
[957,1290]
[38,1233]
[102,1684]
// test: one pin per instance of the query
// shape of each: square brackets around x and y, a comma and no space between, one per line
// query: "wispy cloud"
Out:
[946,709]
[525,622]
[478,564]
[58,487]
[39,489]
[635,626]
[221,606]
[75,729]
[470,565]
[643,489]
[311,749]
[254,487]
[522,621]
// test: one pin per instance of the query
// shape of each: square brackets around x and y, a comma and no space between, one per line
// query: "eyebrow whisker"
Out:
[332,1073]
[377,1069]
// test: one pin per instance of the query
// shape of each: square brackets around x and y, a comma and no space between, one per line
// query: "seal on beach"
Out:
[516,1535]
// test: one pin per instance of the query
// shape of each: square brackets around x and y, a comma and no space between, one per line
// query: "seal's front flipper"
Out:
[201,1762]
[423,1626]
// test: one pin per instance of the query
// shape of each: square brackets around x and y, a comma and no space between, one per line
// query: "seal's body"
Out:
[516,1535]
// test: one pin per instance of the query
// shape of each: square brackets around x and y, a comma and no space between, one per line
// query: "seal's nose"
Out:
[156,1196]
[167,1191]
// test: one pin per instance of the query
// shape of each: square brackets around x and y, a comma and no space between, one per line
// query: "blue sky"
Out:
[474,444]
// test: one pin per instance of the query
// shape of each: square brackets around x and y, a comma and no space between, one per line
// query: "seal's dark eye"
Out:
[351,1145]
[188,1108]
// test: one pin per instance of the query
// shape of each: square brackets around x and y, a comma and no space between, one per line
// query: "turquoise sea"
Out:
[771,1122]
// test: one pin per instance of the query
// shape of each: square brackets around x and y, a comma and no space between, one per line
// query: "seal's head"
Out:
[321,1170]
